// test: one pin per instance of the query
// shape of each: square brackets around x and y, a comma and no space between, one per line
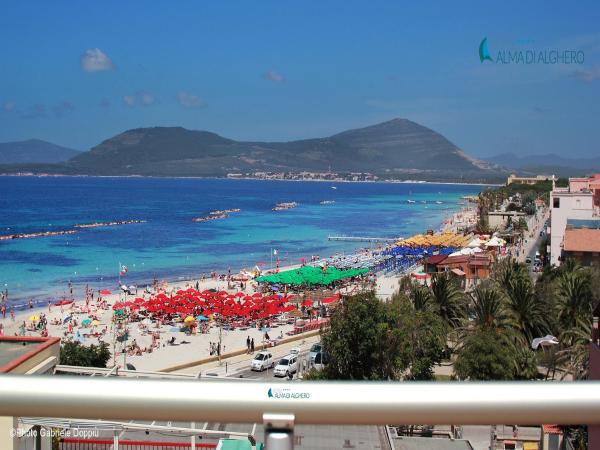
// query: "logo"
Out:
[287,394]
[484,51]
[529,56]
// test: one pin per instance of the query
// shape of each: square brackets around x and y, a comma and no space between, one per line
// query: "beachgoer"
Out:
[248,344]
[252,345]
[30,303]
[12,314]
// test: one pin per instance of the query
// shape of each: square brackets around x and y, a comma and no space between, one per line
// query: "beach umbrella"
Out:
[239,294]
[545,341]
[104,292]
[119,312]
[86,322]
[34,318]
[63,302]
[95,323]
[307,302]
[201,318]
[66,319]
[189,319]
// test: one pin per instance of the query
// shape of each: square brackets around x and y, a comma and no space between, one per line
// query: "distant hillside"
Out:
[548,163]
[396,148]
[34,151]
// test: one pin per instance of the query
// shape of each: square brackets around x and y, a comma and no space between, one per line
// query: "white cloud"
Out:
[95,60]
[188,100]
[141,98]
[9,106]
[588,75]
[146,98]
[276,77]
[129,100]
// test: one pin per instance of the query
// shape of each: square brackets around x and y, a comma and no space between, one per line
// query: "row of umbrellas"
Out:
[195,305]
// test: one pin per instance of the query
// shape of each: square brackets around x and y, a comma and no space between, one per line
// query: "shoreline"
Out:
[451,183]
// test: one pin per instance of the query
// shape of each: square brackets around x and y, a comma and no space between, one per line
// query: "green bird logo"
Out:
[484,51]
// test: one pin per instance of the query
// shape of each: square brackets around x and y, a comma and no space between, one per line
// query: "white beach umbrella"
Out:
[545,341]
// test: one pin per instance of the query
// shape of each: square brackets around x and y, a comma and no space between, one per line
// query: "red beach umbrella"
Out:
[307,302]
[104,292]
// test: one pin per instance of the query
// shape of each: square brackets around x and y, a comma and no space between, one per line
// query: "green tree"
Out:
[526,308]
[372,340]
[72,353]
[484,356]
[489,309]
[420,297]
[448,299]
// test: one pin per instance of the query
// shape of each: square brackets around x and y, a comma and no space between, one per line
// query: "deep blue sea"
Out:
[169,245]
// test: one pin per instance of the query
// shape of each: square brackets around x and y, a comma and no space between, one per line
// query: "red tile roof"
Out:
[552,429]
[435,259]
[582,240]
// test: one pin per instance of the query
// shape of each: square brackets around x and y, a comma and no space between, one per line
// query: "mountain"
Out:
[34,151]
[397,148]
[550,163]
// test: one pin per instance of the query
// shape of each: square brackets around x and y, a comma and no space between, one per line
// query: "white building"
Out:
[564,205]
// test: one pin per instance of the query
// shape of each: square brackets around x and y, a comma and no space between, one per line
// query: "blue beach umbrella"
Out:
[201,318]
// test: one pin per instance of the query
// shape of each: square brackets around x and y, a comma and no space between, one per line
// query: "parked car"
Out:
[287,366]
[321,360]
[316,348]
[295,351]
[262,360]
[528,260]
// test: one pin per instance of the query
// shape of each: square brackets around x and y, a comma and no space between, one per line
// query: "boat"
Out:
[411,201]
[327,202]
[333,187]
[284,205]
[439,203]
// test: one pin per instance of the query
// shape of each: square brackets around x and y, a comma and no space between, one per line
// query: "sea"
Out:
[169,245]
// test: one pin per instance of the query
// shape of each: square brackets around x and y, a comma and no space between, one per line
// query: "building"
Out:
[574,202]
[513,178]
[587,184]
[468,269]
[582,242]
[500,219]
[25,355]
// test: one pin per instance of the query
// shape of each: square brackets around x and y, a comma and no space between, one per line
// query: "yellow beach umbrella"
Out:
[95,322]
[34,318]
[189,319]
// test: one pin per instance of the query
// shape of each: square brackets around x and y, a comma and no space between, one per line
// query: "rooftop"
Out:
[16,350]
[582,240]
[429,443]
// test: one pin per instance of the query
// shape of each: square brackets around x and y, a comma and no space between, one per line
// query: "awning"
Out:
[530,446]
[458,272]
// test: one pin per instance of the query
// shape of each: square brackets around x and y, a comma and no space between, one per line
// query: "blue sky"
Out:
[75,72]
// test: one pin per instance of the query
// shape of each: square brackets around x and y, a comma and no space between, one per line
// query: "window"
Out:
[556,202]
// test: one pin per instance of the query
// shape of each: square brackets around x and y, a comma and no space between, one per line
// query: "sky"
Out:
[76,73]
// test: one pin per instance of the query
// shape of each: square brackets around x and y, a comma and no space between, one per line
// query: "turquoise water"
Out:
[169,245]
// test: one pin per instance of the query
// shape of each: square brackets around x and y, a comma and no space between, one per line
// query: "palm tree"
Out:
[526,308]
[448,299]
[420,297]
[489,309]
[577,355]
[507,270]
[575,298]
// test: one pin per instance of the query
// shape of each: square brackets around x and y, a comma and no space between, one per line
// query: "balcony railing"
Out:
[307,402]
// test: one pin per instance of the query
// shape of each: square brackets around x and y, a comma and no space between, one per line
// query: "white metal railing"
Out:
[308,402]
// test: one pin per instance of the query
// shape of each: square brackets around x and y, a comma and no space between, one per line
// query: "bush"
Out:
[73,353]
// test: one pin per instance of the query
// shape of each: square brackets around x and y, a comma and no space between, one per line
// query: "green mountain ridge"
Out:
[398,148]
